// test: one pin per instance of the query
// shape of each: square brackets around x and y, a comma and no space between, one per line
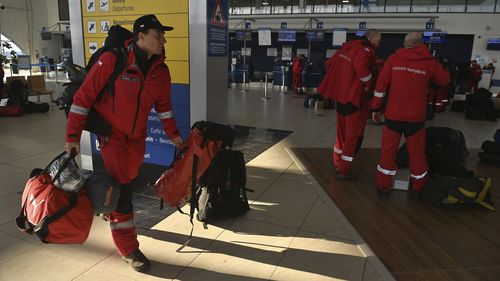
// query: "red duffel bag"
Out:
[11,110]
[174,185]
[54,215]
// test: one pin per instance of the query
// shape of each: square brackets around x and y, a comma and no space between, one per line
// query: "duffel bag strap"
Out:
[31,229]
[21,222]
[57,215]
[193,201]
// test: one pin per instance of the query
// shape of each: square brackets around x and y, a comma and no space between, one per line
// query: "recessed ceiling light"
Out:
[345,1]
[265,3]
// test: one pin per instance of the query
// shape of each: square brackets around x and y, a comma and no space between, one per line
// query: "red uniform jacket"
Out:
[135,95]
[349,73]
[297,66]
[476,73]
[408,73]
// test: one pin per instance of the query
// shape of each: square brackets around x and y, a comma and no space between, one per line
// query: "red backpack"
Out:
[54,215]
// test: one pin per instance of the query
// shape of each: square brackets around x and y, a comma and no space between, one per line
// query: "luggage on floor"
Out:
[453,191]
[222,188]
[491,147]
[11,110]
[176,184]
[489,158]
[36,107]
[54,215]
[104,192]
[496,137]
[458,106]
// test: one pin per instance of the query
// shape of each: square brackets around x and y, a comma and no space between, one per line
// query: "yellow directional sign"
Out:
[100,15]
[133,7]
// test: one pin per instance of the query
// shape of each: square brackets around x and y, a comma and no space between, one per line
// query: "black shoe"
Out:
[349,176]
[383,192]
[137,261]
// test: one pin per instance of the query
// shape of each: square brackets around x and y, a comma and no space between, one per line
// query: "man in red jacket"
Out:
[475,76]
[349,81]
[144,82]
[408,72]
[297,67]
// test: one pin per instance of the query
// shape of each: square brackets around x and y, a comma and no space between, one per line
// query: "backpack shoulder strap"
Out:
[120,64]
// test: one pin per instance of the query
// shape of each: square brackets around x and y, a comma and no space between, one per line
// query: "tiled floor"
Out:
[293,231]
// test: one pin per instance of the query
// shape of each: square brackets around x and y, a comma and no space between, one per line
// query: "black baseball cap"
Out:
[149,22]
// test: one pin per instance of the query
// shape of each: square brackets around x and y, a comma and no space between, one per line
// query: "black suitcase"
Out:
[458,106]
[36,107]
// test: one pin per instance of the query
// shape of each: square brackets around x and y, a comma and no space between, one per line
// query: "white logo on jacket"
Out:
[403,68]
[34,203]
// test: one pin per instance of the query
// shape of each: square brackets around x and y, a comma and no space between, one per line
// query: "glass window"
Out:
[397,6]
[281,6]
[426,6]
[372,6]
[295,6]
[486,6]
[348,6]
[451,6]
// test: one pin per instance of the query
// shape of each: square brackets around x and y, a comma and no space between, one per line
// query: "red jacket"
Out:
[476,73]
[408,73]
[349,73]
[297,66]
[135,95]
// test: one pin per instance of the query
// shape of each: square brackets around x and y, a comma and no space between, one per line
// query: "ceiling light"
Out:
[265,3]
[345,1]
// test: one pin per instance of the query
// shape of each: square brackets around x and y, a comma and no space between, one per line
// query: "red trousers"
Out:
[297,81]
[472,85]
[415,142]
[122,158]
[351,122]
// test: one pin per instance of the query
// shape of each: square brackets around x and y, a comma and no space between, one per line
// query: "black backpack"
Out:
[222,188]
[479,106]
[114,43]
[448,191]
[18,93]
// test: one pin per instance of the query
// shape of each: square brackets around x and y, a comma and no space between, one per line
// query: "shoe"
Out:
[349,176]
[383,192]
[137,261]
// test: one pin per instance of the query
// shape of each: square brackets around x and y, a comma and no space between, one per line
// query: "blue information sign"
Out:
[283,25]
[319,25]
[362,25]
[248,24]
[217,21]
[429,25]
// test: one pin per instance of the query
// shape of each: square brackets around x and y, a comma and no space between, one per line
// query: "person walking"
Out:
[144,83]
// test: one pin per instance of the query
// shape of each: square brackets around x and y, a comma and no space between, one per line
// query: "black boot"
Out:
[137,261]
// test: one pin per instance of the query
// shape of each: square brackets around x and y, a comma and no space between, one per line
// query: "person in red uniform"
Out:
[408,72]
[297,67]
[475,76]
[143,84]
[348,81]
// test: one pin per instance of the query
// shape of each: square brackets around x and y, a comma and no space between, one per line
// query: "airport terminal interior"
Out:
[303,223]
